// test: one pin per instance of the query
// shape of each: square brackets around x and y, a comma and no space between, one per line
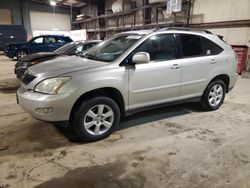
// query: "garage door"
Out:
[5,17]
[49,21]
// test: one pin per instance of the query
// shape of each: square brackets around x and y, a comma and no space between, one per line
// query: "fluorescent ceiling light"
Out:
[53,3]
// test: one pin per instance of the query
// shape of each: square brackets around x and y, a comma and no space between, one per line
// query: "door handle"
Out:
[175,66]
[213,61]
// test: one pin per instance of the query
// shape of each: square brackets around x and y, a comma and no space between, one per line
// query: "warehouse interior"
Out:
[178,145]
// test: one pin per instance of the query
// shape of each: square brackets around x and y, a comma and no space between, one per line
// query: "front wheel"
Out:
[95,119]
[20,54]
[214,95]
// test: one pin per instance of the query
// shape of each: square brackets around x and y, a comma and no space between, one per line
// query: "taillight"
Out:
[236,56]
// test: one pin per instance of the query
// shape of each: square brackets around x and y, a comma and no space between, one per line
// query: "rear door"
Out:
[200,58]
[51,43]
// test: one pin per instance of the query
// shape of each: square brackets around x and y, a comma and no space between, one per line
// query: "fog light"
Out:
[44,110]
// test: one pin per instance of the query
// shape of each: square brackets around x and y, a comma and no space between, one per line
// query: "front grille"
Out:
[27,78]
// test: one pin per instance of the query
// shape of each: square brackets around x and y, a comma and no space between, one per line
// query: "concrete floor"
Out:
[178,146]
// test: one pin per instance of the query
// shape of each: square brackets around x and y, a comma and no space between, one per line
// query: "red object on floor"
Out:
[242,52]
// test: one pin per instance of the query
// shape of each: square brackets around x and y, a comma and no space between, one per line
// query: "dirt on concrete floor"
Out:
[178,146]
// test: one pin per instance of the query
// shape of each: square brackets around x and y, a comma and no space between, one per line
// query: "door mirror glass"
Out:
[141,58]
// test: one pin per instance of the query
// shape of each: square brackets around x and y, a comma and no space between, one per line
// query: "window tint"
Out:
[160,47]
[85,47]
[90,45]
[50,40]
[210,48]
[65,39]
[191,45]
[38,40]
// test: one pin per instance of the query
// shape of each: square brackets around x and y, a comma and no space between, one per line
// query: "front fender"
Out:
[80,84]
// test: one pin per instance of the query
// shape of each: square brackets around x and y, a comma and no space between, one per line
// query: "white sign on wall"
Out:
[42,32]
[78,35]
[173,6]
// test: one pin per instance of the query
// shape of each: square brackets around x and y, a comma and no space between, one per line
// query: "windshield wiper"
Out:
[89,56]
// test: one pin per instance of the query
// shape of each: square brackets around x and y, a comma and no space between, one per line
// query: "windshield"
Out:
[66,48]
[110,50]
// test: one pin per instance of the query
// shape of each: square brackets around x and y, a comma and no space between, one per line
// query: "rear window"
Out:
[191,45]
[195,46]
[210,48]
[67,39]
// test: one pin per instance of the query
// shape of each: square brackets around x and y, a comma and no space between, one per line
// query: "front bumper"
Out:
[10,53]
[34,103]
[19,71]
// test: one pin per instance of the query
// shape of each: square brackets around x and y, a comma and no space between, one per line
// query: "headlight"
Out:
[51,85]
[22,64]
[12,47]
[34,62]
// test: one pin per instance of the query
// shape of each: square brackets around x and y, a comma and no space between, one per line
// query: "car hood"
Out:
[63,65]
[39,55]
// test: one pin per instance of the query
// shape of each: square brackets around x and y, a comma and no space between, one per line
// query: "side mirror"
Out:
[141,58]
[72,53]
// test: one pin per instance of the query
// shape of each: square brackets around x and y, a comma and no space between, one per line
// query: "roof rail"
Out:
[184,29]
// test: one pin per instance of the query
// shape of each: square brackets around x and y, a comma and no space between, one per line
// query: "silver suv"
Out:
[129,72]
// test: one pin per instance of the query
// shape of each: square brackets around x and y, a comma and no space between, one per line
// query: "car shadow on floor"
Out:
[37,136]
[158,114]
[141,118]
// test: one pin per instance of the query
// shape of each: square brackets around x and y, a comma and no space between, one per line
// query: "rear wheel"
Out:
[21,53]
[95,119]
[214,95]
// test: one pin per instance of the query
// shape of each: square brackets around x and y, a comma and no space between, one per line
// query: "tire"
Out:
[87,119]
[21,53]
[214,95]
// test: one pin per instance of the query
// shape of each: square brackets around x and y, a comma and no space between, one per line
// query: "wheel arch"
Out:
[23,49]
[225,78]
[110,92]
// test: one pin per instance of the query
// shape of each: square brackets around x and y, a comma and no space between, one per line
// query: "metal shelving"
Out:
[121,23]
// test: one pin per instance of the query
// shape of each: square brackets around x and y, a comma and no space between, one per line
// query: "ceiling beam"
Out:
[92,2]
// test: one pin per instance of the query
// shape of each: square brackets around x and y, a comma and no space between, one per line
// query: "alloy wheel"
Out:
[215,95]
[21,54]
[98,119]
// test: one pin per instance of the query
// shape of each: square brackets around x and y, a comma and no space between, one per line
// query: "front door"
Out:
[159,80]
[37,45]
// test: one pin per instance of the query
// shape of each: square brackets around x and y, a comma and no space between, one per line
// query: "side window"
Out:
[90,45]
[191,45]
[210,48]
[160,47]
[61,40]
[66,39]
[50,40]
[38,40]
[79,49]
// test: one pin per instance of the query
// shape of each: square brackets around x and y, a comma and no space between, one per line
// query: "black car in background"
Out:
[44,43]
[11,34]
[73,48]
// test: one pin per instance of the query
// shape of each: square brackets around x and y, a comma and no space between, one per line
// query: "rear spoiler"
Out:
[221,37]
